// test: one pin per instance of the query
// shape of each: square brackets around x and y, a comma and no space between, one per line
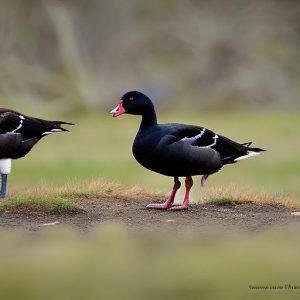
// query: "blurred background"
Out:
[233,67]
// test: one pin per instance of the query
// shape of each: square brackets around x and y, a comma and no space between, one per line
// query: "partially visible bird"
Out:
[18,134]
[178,150]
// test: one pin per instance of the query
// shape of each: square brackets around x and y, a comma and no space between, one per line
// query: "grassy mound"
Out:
[48,199]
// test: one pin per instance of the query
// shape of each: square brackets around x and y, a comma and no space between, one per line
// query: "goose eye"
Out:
[131,98]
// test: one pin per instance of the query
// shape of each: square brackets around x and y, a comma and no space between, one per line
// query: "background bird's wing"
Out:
[28,127]
[10,122]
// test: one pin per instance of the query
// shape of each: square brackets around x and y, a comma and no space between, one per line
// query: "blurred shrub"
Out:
[81,54]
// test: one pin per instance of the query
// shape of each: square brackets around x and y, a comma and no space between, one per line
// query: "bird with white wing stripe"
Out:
[18,134]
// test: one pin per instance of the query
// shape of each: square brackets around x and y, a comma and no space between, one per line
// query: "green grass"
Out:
[111,263]
[40,203]
[223,201]
[100,146]
[114,264]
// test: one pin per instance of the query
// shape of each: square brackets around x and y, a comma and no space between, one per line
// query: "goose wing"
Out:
[229,150]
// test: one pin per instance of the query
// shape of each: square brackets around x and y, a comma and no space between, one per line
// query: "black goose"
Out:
[18,134]
[178,150]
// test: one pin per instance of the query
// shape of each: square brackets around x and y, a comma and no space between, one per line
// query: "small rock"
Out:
[51,224]
[295,213]
[170,221]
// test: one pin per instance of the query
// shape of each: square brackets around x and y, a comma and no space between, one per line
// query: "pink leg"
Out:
[203,179]
[188,186]
[171,198]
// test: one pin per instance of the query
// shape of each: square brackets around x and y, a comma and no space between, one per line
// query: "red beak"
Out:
[119,110]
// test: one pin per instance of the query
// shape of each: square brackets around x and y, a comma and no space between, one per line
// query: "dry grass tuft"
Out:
[104,189]
[232,195]
[89,190]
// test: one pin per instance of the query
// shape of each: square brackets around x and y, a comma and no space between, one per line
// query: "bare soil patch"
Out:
[133,214]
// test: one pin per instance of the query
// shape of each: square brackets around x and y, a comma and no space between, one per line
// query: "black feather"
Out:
[30,129]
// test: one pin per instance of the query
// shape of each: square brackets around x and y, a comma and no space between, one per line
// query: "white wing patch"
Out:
[52,131]
[20,125]
[249,154]
[214,143]
[198,136]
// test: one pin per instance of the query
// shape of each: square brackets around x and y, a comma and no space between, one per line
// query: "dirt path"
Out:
[132,213]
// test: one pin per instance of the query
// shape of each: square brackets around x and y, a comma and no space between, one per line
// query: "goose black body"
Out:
[178,150]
